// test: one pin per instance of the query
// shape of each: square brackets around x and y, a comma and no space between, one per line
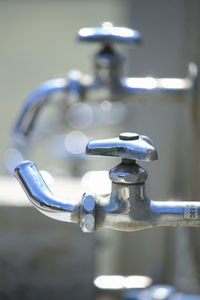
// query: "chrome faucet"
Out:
[126,208]
[107,83]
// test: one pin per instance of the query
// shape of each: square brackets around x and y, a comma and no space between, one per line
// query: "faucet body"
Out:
[129,208]
[126,208]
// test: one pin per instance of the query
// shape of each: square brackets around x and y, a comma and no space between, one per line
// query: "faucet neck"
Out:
[128,172]
[108,68]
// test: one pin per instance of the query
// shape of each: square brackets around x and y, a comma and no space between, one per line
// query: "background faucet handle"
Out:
[107,33]
[128,145]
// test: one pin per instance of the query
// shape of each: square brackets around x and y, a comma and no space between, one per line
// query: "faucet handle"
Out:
[107,33]
[128,145]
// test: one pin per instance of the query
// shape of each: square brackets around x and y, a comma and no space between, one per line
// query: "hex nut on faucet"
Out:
[87,215]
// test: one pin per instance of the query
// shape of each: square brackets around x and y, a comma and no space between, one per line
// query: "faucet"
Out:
[126,208]
[107,82]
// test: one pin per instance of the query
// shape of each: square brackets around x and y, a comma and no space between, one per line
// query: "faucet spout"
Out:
[22,132]
[34,103]
[42,198]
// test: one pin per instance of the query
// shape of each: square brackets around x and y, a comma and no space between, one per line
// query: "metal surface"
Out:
[88,213]
[127,145]
[155,292]
[127,208]
[34,103]
[108,33]
[42,198]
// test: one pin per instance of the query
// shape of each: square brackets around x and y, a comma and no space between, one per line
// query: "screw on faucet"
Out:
[88,224]
[87,221]
[128,136]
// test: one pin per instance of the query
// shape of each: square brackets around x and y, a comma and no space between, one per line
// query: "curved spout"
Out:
[40,97]
[41,197]
[34,103]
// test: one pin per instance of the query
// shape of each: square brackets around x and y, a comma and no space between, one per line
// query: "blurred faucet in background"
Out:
[84,103]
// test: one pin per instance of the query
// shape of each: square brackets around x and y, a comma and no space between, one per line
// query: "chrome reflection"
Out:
[117,282]
[161,293]
[150,83]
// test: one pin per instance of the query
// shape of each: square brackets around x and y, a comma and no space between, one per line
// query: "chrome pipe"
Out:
[175,207]
[41,197]
[34,103]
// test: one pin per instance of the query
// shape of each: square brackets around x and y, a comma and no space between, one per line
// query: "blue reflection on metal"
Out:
[39,96]
[110,33]
[40,195]
[115,206]
[168,207]
[133,149]
[162,292]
